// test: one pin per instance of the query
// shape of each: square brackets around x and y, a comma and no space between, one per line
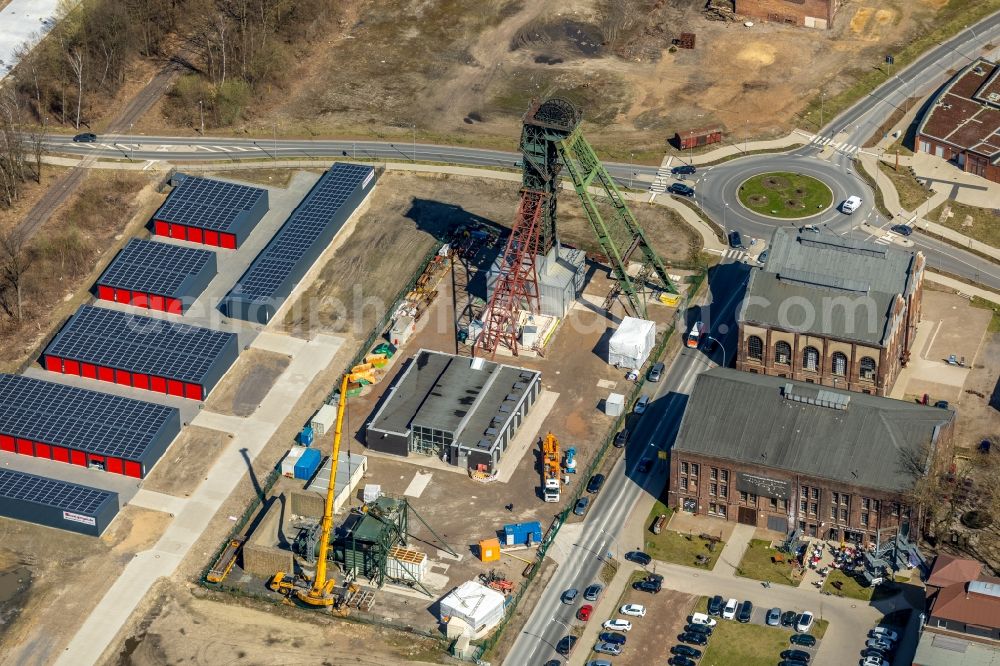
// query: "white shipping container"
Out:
[292,457]
[324,420]
[406,565]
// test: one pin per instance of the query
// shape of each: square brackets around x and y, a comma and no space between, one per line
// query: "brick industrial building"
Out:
[785,455]
[807,13]
[962,124]
[831,311]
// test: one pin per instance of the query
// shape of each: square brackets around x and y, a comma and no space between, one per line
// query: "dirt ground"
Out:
[651,636]
[465,70]
[187,461]
[977,417]
[248,383]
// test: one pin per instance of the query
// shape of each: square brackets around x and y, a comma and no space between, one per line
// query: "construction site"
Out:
[475,387]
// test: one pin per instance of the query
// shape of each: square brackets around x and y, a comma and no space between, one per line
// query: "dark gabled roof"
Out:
[853,438]
[157,268]
[849,286]
[975,603]
[948,570]
[209,204]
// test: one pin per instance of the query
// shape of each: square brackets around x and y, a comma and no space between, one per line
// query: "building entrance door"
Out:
[748,516]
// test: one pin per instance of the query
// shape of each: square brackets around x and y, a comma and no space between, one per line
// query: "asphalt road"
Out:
[625,485]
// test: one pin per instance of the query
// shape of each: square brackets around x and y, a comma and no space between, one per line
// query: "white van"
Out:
[851,204]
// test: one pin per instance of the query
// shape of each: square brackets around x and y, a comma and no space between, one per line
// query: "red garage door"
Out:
[115,466]
[43,450]
[78,458]
[7,443]
[60,453]
[133,469]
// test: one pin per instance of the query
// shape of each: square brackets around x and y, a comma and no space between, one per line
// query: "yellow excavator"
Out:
[320,591]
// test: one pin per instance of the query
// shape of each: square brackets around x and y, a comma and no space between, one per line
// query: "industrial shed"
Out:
[464,411]
[65,506]
[212,212]
[82,427]
[310,228]
[157,276]
[146,353]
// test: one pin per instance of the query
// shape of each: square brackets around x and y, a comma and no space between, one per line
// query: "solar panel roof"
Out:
[302,228]
[139,344]
[91,421]
[208,204]
[156,268]
[60,494]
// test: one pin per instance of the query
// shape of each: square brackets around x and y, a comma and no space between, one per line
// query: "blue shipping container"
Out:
[306,436]
[519,533]
[307,464]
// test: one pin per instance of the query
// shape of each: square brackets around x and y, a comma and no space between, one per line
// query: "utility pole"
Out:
[274,151]
[414,158]
[201,112]
[822,100]
[630,171]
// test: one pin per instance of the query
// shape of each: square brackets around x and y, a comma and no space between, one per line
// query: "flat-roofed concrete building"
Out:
[830,310]
[464,411]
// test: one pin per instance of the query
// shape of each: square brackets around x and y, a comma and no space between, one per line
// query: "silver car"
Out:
[608,648]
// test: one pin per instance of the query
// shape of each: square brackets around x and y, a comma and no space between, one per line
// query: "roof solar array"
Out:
[208,204]
[139,344]
[91,421]
[155,268]
[303,227]
[58,494]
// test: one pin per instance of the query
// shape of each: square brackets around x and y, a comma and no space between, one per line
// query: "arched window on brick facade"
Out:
[810,359]
[839,364]
[755,348]
[782,353]
[867,368]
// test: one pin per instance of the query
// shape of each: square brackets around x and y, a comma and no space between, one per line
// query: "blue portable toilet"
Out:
[306,436]
[307,464]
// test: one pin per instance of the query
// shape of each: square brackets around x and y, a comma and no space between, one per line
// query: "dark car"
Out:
[677,660]
[595,483]
[85,137]
[943,404]
[762,257]
[684,169]
[611,637]
[901,229]
[746,609]
[693,639]
[581,506]
[681,189]
[621,439]
[773,618]
[715,605]
[796,655]
[553,662]
[735,240]
[566,645]
[638,557]
[569,596]
[645,465]
[593,592]
[646,586]
[788,618]
[686,651]
[698,629]
[805,640]
[872,652]
[655,373]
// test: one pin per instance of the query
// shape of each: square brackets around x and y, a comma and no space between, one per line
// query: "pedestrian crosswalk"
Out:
[659,184]
[884,240]
[735,255]
[840,146]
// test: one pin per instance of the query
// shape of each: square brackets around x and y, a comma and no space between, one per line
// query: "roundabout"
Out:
[785,195]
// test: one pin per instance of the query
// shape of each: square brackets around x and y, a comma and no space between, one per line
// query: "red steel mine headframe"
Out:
[516,286]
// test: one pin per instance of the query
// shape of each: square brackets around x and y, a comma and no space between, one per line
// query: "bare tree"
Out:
[15,260]
[75,58]
[36,139]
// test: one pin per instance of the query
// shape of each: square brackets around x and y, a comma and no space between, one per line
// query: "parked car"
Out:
[553,662]
[943,404]
[683,169]
[621,439]
[678,660]
[901,229]
[593,592]
[878,644]
[796,655]
[566,645]
[773,617]
[805,640]
[647,586]
[581,506]
[729,611]
[850,204]
[595,483]
[693,638]
[599,662]
[883,632]
[735,240]
[645,465]
[701,618]
[715,605]
[703,629]
[656,372]
[874,661]
[569,596]
[584,613]
[872,652]
[788,618]
[633,610]
[686,651]
[85,137]
[762,257]
[608,648]
[681,189]
[809,227]
[611,637]
[638,557]
[804,623]
[746,610]
[617,625]
[641,404]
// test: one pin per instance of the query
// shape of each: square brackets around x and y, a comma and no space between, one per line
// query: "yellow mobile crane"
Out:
[320,592]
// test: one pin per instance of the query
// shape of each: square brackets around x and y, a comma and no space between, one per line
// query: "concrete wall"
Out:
[265,561]
[970,162]
[808,13]
[261,555]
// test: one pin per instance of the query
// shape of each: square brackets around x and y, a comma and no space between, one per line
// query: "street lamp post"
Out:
[721,346]
[822,102]
[201,112]
[131,146]
[274,146]
[630,171]
[724,211]
[414,158]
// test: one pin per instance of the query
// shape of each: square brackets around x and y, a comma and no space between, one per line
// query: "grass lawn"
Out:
[849,587]
[676,547]
[745,645]
[819,628]
[785,195]
[994,326]
[757,564]
[984,222]
[911,193]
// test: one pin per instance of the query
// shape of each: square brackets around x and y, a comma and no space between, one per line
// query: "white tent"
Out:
[476,605]
[631,343]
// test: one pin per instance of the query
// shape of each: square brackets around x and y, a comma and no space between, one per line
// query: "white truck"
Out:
[552,490]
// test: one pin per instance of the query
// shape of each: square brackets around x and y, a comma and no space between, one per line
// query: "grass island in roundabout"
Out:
[785,195]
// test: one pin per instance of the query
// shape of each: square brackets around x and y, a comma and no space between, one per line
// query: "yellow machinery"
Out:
[551,471]
[320,591]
